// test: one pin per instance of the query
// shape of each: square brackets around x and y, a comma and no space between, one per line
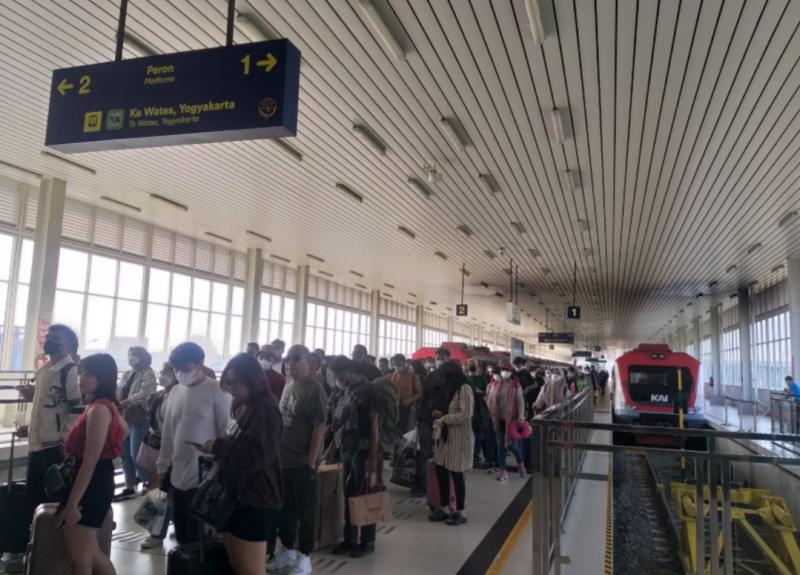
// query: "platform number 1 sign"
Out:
[574,312]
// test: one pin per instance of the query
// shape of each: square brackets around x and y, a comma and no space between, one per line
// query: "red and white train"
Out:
[646,387]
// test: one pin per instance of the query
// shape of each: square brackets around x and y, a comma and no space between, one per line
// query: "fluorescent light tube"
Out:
[787,219]
[420,188]
[489,183]
[257,235]
[288,148]
[121,204]
[370,138]
[383,31]
[256,27]
[138,46]
[535,19]
[344,188]
[558,119]
[452,127]
[464,230]
[573,178]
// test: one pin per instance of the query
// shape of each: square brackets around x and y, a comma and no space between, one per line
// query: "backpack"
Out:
[385,397]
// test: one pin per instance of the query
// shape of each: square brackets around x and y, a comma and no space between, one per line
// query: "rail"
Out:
[728,399]
[553,439]
[784,414]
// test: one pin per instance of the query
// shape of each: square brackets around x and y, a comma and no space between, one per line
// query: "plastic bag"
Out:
[409,439]
[153,511]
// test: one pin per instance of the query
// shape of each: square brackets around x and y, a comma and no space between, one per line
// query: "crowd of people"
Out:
[267,423]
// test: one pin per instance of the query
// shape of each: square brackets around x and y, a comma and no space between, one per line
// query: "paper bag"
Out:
[330,506]
[370,508]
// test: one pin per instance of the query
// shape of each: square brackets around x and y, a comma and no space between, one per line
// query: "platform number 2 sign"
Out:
[462,310]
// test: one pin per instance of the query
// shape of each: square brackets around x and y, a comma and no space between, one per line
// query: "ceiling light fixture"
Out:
[138,46]
[584,225]
[734,295]
[384,294]
[409,302]
[776,269]
[345,189]
[534,253]
[440,255]
[315,258]
[288,148]
[574,182]
[712,284]
[518,227]
[545,271]
[362,286]
[73,163]
[485,285]
[257,235]
[588,252]
[370,138]
[280,258]
[787,219]
[489,254]
[754,248]
[407,232]
[464,230]
[420,188]
[390,286]
[382,29]
[326,274]
[454,131]
[559,122]
[121,204]
[412,294]
[489,183]
[357,274]
[172,203]
[730,269]
[432,303]
[255,27]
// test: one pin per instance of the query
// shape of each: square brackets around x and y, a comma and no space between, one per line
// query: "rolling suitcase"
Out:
[46,554]
[432,487]
[15,510]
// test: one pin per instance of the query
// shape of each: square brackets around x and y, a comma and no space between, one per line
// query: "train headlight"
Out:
[694,410]
[630,407]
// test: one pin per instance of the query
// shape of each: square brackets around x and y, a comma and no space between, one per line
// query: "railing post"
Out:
[700,506]
[539,501]
[727,527]
[713,528]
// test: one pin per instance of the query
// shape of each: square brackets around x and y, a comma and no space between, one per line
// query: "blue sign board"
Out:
[221,94]
[556,337]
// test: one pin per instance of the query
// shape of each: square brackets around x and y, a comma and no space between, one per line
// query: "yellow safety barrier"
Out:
[779,547]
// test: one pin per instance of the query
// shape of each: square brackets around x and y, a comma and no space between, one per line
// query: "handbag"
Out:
[135,415]
[214,501]
[147,457]
[59,478]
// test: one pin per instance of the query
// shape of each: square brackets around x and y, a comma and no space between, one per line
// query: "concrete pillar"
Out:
[420,316]
[252,296]
[794,312]
[697,324]
[47,243]
[716,355]
[744,345]
[300,311]
[450,330]
[374,321]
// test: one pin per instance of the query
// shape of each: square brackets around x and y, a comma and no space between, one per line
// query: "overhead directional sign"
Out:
[598,348]
[556,337]
[581,354]
[221,94]
[462,310]
[573,312]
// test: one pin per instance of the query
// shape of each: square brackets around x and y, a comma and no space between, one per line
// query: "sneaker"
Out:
[362,550]
[127,493]
[12,563]
[151,542]
[438,515]
[503,476]
[522,473]
[284,561]
[343,548]
[301,567]
[456,519]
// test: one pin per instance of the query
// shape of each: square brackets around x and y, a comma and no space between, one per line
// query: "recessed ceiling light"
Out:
[121,204]
[411,302]
[172,203]
[733,295]
[584,225]
[257,235]
[787,219]
[382,29]
[315,258]
[407,232]
[361,286]
[573,179]
[412,294]
[712,284]
[464,230]
[384,294]
[370,138]
[534,253]
[345,189]
[432,303]
[558,119]
[288,148]
[420,187]
[777,268]
[518,227]
[754,248]
[390,286]
[730,268]
[219,237]
[484,284]
[498,294]
[280,258]
[440,255]
[326,274]
[455,132]
[489,183]
[357,274]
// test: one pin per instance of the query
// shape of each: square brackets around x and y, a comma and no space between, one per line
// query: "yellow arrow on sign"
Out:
[268,63]
[64,86]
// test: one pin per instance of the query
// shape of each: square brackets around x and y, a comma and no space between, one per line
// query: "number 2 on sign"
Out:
[86,81]
[246,65]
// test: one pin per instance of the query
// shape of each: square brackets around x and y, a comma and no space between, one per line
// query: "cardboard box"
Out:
[370,508]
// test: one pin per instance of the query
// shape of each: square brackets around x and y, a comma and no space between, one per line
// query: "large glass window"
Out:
[433,337]
[276,319]
[705,360]
[731,367]
[396,337]
[6,257]
[771,351]
[335,329]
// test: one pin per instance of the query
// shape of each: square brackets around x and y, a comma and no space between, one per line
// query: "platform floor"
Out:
[408,545]
[716,417]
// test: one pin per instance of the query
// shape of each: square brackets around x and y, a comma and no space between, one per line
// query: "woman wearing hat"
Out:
[507,408]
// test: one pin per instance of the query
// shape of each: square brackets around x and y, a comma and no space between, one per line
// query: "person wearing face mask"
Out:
[432,405]
[151,444]
[361,356]
[409,390]
[552,393]
[507,407]
[137,385]
[197,410]
[268,358]
[481,422]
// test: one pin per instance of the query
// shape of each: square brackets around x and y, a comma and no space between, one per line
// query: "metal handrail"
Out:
[785,412]
[755,404]
[553,441]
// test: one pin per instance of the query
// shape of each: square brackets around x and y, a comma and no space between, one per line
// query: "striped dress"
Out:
[456,453]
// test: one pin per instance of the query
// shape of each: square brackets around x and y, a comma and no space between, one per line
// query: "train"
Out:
[646,388]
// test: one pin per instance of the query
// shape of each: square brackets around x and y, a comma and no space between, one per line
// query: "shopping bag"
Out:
[152,511]
[370,508]
[146,458]
[410,439]
[330,506]
[404,472]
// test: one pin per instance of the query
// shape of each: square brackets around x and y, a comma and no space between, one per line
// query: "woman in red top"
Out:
[95,439]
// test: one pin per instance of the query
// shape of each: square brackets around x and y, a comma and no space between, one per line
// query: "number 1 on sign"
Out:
[246,65]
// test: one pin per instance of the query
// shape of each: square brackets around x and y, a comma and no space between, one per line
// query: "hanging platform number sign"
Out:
[462,310]
[242,92]
[573,312]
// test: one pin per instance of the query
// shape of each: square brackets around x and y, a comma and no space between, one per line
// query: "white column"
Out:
[450,330]
[374,321]
[300,298]
[697,323]
[744,345]
[44,271]
[252,296]
[420,316]
[716,355]
[794,312]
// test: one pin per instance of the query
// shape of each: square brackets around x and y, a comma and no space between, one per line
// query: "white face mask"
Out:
[505,373]
[186,377]
[265,364]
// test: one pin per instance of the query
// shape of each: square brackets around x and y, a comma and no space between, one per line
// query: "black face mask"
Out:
[51,347]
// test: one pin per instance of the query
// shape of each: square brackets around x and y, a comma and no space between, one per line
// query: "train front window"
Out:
[657,385]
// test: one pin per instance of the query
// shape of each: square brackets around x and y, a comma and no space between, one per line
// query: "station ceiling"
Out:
[676,167]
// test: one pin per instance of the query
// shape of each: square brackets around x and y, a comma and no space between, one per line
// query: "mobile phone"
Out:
[195,444]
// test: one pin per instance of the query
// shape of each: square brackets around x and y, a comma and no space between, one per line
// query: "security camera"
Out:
[433,176]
